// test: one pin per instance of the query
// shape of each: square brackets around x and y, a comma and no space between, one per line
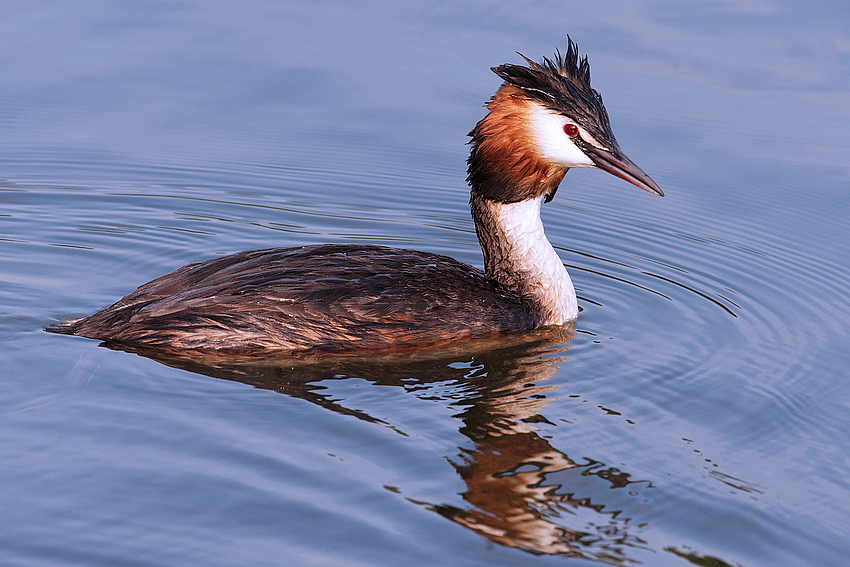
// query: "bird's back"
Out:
[324,297]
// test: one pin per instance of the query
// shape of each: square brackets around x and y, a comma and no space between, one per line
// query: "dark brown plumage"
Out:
[327,296]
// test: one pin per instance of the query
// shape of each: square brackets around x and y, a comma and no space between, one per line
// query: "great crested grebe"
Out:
[544,119]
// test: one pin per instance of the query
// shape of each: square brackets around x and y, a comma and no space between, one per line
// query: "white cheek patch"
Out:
[547,127]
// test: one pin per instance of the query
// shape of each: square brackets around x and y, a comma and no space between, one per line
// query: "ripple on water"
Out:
[744,309]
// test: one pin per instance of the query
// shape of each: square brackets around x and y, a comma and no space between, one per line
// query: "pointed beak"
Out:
[621,166]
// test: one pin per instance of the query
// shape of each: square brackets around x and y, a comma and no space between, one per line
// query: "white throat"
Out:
[518,255]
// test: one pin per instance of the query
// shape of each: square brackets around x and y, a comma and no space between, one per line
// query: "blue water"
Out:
[697,416]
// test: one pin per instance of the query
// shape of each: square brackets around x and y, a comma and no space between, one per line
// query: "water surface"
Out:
[696,416]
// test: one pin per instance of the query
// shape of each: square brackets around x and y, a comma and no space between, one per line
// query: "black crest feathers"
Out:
[563,85]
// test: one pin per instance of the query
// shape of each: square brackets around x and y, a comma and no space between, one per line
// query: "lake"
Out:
[697,414]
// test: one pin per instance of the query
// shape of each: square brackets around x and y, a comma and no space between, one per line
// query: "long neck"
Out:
[519,258]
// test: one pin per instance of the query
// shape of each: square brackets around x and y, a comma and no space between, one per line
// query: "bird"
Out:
[544,119]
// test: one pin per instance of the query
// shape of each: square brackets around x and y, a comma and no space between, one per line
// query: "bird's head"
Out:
[543,120]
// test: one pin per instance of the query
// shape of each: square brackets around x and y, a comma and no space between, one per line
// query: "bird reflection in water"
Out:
[518,486]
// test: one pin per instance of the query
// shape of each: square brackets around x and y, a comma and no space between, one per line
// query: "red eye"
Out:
[570,130]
